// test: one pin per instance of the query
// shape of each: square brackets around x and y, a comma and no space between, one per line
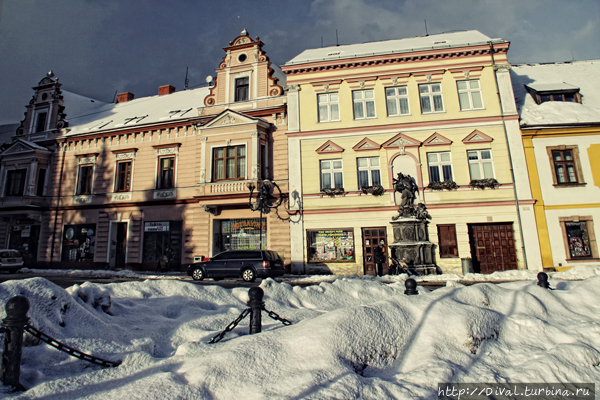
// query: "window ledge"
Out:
[433,112]
[574,184]
[399,116]
[473,109]
[582,259]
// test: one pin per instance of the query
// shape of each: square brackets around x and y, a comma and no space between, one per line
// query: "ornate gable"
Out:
[329,148]
[401,140]
[22,146]
[437,140]
[366,144]
[477,137]
[229,117]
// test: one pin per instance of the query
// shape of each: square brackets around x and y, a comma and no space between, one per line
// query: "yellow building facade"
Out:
[439,109]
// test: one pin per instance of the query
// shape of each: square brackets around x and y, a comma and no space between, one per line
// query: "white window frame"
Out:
[439,164]
[397,99]
[332,170]
[328,103]
[361,102]
[480,161]
[370,168]
[78,191]
[431,95]
[34,128]
[468,103]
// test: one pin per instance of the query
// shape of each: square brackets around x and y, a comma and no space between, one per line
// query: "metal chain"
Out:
[69,350]
[230,327]
[276,317]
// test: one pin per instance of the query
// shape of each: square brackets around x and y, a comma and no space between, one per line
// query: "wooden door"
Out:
[492,247]
[371,238]
[121,249]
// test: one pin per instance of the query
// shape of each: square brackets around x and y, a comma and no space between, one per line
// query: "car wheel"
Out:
[198,274]
[248,275]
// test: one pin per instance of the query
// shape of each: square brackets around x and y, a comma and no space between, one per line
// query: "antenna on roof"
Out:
[187,81]
[337,43]
[426,33]
[115,97]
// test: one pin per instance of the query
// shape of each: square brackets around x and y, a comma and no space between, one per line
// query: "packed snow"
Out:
[351,338]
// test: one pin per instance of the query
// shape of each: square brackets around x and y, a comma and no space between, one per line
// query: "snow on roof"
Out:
[441,41]
[146,110]
[549,87]
[584,75]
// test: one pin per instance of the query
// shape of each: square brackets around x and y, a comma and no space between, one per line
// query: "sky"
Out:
[350,338]
[98,48]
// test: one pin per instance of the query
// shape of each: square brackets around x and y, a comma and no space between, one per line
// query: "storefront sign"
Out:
[156,226]
[247,224]
[26,231]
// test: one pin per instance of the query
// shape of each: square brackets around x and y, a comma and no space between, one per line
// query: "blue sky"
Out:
[97,48]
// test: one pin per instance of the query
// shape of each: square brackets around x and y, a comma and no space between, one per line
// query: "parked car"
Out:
[247,264]
[10,260]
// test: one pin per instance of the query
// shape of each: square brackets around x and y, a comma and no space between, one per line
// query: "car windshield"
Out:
[10,254]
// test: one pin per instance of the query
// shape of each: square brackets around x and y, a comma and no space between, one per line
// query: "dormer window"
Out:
[241,88]
[545,92]
[40,122]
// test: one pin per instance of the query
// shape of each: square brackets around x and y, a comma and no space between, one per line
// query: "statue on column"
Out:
[408,188]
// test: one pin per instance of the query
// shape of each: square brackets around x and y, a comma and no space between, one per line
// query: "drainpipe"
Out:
[62,167]
[512,172]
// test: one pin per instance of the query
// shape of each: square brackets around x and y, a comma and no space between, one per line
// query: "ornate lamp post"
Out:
[265,200]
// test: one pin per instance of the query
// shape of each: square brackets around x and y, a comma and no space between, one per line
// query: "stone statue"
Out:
[406,185]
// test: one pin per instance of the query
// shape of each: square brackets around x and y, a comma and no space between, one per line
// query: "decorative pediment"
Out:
[329,147]
[22,146]
[366,144]
[477,137]
[401,140]
[326,86]
[437,140]
[229,117]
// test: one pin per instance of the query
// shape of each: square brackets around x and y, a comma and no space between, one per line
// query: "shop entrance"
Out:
[371,238]
[118,245]
[24,238]
[492,247]
[239,234]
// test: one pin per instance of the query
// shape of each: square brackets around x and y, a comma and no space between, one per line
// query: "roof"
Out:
[85,117]
[584,75]
[551,87]
[431,42]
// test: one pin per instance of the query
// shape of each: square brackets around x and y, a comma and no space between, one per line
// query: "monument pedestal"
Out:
[411,243]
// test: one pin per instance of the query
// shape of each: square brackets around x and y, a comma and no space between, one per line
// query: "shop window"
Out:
[242,86]
[15,182]
[85,177]
[480,164]
[397,101]
[566,168]
[229,163]
[447,241]
[240,234]
[331,174]
[364,104]
[331,245]
[162,239]
[329,107]
[79,242]
[579,237]
[166,172]
[123,180]
[440,166]
[431,98]
[368,171]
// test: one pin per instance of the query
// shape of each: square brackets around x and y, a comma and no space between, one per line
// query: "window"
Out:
[579,237]
[84,184]
[229,163]
[447,241]
[15,182]
[79,243]
[240,234]
[440,166]
[40,123]
[480,164]
[123,176]
[166,172]
[368,172]
[332,245]
[469,95]
[564,166]
[242,86]
[39,190]
[329,108]
[397,101]
[364,104]
[431,98]
[331,174]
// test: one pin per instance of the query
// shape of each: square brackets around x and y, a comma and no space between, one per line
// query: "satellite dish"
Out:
[209,79]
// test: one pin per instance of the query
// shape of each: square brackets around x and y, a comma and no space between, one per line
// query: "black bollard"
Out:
[411,287]
[256,306]
[13,326]
[543,280]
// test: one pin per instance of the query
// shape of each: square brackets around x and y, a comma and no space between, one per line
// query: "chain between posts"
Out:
[230,327]
[69,350]
[276,317]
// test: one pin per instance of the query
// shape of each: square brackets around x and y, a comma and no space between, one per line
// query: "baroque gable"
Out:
[401,140]
[329,148]
[437,140]
[366,144]
[477,137]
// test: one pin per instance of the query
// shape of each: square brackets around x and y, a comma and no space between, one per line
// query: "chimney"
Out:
[166,89]
[125,97]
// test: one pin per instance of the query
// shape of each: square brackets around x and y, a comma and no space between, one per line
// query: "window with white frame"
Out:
[368,171]
[40,121]
[469,95]
[440,166]
[123,178]
[329,107]
[166,172]
[431,98]
[85,178]
[332,175]
[397,101]
[481,165]
[242,88]
[15,182]
[229,163]
[364,103]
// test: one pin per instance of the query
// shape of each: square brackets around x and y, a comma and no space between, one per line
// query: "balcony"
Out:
[25,201]
[228,187]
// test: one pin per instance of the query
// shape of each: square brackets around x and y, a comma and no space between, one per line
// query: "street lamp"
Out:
[265,200]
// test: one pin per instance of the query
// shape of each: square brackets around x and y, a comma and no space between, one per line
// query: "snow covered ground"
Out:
[351,338]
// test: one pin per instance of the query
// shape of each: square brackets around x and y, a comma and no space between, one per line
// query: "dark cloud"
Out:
[98,48]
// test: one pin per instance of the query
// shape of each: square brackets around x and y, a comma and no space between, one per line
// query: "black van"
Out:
[247,264]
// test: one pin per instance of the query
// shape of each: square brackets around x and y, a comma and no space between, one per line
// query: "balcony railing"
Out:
[17,201]
[229,187]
